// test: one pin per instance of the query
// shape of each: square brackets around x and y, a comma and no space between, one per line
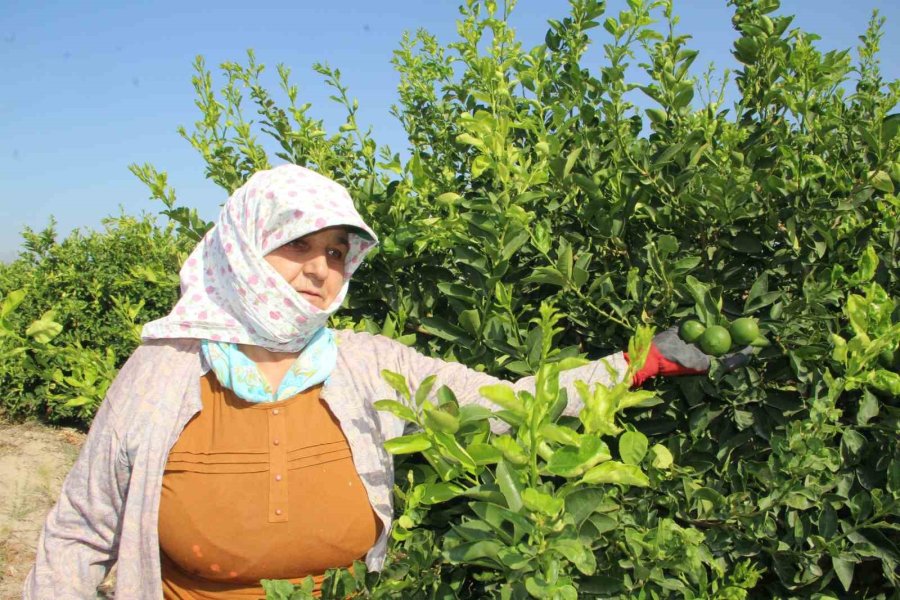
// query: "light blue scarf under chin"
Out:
[241,375]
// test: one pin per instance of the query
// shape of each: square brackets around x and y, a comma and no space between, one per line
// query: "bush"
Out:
[72,310]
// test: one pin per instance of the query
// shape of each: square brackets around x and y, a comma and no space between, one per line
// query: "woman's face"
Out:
[314,264]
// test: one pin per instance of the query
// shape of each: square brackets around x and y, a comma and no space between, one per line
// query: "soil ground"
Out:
[34,459]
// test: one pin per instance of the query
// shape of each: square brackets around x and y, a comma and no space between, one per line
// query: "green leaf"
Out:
[12,300]
[549,275]
[868,264]
[587,184]
[666,244]
[455,290]
[424,389]
[444,330]
[469,140]
[560,434]
[844,570]
[705,304]
[484,553]
[510,486]
[857,314]
[407,444]
[435,493]
[565,462]
[452,450]
[828,522]
[470,413]
[667,154]
[541,502]
[602,523]
[611,26]
[500,518]
[510,449]
[572,461]
[277,589]
[881,181]
[397,382]
[633,447]
[886,381]
[512,245]
[684,97]
[662,457]
[396,409]
[577,552]
[78,401]
[480,165]
[470,320]
[483,454]
[564,259]
[890,127]
[503,395]
[448,198]
[570,160]
[893,477]
[43,330]
[446,396]
[616,472]
[868,408]
[631,398]
[580,504]
[852,444]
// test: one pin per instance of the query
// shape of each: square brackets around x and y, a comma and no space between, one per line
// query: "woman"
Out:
[239,441]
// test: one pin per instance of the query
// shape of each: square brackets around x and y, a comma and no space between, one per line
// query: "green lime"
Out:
[715,341]
[744,331]
[690,331]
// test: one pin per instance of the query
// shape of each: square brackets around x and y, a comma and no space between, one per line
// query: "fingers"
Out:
[674,348]
[738,359]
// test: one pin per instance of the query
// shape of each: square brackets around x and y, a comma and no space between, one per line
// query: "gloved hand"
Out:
[671,356]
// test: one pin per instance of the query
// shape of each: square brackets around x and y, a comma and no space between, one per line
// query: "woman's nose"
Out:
[316,266]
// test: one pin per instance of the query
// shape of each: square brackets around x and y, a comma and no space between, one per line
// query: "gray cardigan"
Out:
[109,505]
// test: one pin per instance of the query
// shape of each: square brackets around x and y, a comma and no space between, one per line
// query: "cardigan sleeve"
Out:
[77,545]
[466,382]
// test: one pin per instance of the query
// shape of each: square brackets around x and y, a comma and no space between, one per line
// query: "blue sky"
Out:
[89,87]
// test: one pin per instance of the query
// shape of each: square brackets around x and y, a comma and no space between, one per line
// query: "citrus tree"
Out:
[72,309]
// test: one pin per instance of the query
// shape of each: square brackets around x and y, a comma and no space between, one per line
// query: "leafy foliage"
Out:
[531,180]
[72,309]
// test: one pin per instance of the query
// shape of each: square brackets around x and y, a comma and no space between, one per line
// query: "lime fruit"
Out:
[715,341]
[743,331]
[690,331]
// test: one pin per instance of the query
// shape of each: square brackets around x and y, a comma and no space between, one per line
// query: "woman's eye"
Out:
[335,253]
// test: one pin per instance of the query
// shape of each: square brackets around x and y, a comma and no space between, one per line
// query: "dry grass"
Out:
[34,459]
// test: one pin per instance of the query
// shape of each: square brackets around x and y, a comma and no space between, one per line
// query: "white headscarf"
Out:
[229,293]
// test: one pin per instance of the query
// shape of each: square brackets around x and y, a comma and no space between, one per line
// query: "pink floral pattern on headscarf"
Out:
[229,293]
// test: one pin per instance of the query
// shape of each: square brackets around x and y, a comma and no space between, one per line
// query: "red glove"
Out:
[657,364]
[670,356]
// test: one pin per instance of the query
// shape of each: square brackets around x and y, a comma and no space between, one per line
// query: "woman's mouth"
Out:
[312,296]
